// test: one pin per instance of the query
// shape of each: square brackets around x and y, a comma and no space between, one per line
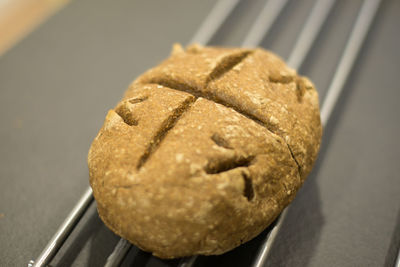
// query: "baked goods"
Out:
[205,150]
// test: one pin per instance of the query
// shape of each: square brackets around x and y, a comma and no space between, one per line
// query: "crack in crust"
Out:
[248,191]
[124,111]
[226,65]
[220,141]
[294,158]
[137,100]
[166,126]
[126,115]
[227,164]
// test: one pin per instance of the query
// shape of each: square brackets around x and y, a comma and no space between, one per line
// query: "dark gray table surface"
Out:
[58,83]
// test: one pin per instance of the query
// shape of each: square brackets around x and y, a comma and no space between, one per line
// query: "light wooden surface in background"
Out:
[19,17]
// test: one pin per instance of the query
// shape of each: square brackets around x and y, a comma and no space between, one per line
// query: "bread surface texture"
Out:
[205,150]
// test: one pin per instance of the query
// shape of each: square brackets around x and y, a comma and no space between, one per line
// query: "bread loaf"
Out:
[205,150]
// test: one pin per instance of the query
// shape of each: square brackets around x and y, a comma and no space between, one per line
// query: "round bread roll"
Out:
[205,150]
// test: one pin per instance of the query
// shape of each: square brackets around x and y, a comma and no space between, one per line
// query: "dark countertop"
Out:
[58,83]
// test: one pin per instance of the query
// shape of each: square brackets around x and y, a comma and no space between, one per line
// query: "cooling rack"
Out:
[260,28]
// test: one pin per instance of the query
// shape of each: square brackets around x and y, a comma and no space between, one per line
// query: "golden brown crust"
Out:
[205,150]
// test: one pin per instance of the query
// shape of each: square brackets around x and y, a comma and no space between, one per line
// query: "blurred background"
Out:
[64,63]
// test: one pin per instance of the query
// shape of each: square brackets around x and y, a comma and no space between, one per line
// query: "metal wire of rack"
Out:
[259,29]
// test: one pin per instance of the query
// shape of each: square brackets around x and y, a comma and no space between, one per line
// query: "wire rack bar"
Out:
[264,22]
[356,40]
[117,256]
[309,33]
[64,230]
[187,262]
[213,21]
[352,48]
